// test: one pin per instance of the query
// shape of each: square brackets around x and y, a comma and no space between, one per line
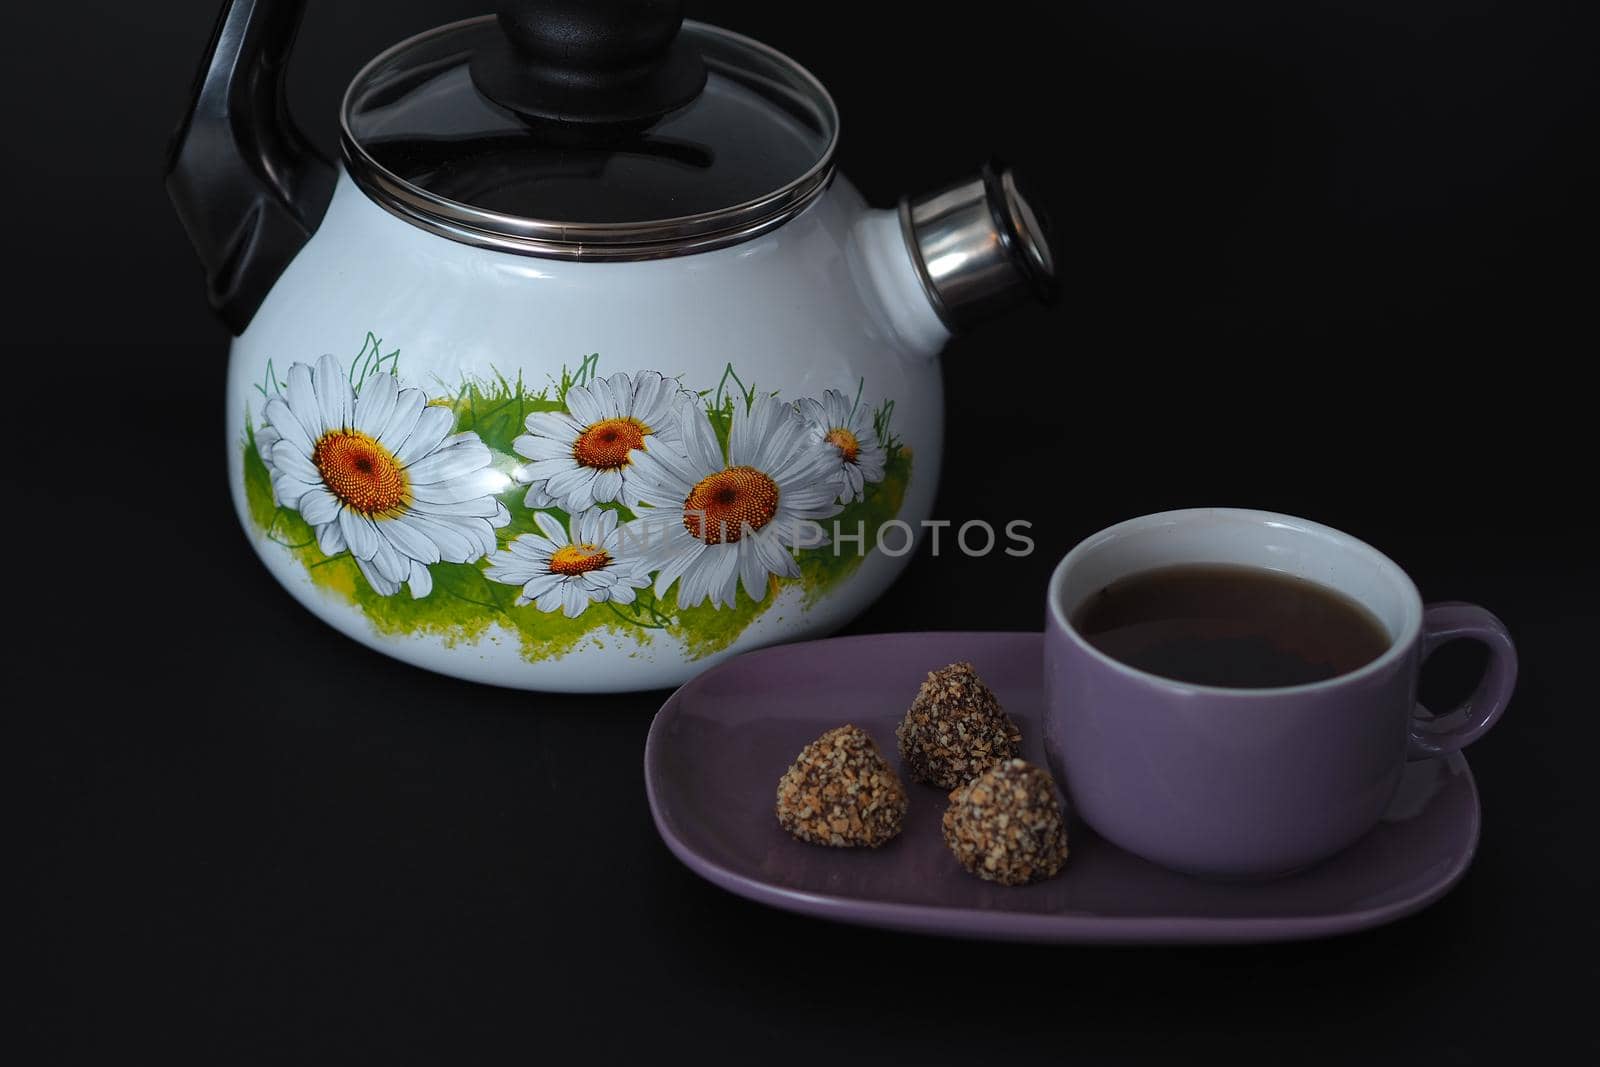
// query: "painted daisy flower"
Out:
[569,572]
[381,475]
[716,521]
[849,435]
[582,459]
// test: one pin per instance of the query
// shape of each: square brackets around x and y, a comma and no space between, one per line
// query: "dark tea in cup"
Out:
[1232,626]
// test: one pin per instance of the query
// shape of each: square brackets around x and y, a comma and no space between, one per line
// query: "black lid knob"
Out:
[603,63]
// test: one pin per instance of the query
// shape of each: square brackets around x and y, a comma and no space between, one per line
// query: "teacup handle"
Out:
[1462,725]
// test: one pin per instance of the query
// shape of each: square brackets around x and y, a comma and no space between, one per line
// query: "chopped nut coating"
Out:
[1006,826]
[842,792]
[955,729]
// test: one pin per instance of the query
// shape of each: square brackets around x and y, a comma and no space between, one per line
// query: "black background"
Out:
[1332,259]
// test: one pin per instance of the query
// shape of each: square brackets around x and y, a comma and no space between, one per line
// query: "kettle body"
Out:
[583,368]
[825,309]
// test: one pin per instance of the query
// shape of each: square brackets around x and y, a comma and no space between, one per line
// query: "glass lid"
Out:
[470,131]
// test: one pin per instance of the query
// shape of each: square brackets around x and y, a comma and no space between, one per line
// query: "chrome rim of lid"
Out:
[653,239]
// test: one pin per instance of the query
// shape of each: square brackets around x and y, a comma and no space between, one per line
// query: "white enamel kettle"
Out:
[585,368]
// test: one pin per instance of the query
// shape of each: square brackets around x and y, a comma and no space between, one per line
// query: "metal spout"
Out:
[980,248]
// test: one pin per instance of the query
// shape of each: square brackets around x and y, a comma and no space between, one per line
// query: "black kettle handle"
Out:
[247,184]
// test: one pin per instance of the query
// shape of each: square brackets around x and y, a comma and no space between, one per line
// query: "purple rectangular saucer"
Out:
[720,743]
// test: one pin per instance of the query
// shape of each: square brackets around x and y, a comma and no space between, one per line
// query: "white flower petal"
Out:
[584,405]
[375,404]
[837,406]
[628,573]
[382,585]
[607,484]
[751,428]
[574,488]
[531,446]
[551,527]
[266,435]
[266,439]
[545,469]
[693,587]
[329,540]
[660,478]
[573,600]
[550,599]
[540,584]
[432,426]
[818,466]
[389,561]
[613,394]
[335,401]
[508,570]
[752,570]
[535,548]
[449,462]
[627,496]
[460,489]
[421,581]
[856,480]
[318,507]
[481,507]
[601,578]
[585,527]
[287,426]
[289,489]
[812,412]
[301,395]
[481,533]
[700,440]
[410,539]
[288,459]
[722,577]
[465,437]
[872,472]
[785,442]
[666,432]
[555,424]
[819,501]
[408,405]
[654,538]
[652,398]
[359,534]
[455,546]
[675,565]
[774,557]
[479,536]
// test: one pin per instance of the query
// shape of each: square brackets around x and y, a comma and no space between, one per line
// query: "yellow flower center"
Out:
[721,506]
[845,442]
[606,444]
[361,472]
[572,560]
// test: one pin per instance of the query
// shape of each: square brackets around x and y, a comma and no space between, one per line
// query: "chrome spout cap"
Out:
[980,247]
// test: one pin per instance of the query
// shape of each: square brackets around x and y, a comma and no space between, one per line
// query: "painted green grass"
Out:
[465,606]
[821,569]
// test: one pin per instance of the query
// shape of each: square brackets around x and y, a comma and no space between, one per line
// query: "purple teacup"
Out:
[1250,783]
